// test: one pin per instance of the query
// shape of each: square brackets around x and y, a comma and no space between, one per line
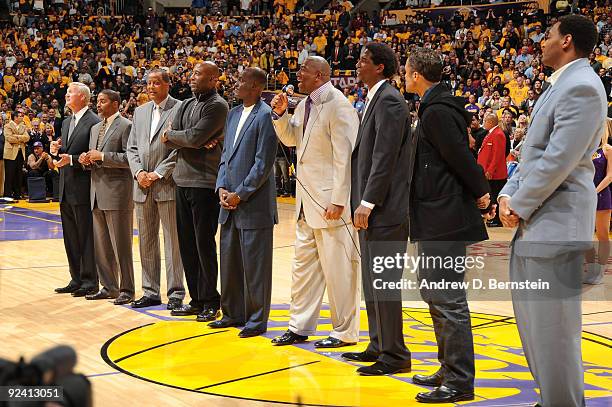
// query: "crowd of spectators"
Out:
[491,60]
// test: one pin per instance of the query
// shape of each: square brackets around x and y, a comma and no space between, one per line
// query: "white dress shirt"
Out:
[554,77]
[156,117]
[371,94]
[246,111]
[77,117]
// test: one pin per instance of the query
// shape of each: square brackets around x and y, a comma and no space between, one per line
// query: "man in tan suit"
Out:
[111,200]
[324,128]
[15,139]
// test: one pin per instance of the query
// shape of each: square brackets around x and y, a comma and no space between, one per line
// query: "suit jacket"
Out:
[381,159]
[75,181]
[323,155]
[552,189]
[445,178]
[247,168]
[111,179]
[16,136]
[492,155]
[146,154]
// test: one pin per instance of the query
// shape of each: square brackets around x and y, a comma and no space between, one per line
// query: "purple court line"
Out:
[597,323]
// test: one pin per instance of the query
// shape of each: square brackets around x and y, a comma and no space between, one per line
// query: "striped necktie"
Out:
[101,134]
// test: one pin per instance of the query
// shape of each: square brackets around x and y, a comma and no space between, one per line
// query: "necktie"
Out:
[154,121]
[365,105]
[101,134]
[72,125]
[307,111]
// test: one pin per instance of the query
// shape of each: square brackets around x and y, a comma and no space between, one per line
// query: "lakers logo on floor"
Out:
[188,355]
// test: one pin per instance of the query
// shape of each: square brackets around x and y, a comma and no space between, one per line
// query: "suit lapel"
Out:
[368,113]
[78,126]
[541,100]
[245,127]
[163,118]
[315,111]
[232,127]
[110,131]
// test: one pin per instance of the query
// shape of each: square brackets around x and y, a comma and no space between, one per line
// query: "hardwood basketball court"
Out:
[147,357]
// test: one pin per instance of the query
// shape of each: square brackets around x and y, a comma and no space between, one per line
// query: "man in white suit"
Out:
[324,128]
[552,199]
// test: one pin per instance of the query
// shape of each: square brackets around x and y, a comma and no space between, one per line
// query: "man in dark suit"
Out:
[196,129]
[247,193]
[337,55]
[379,164]
[445,181]
[74,187]
[111,200]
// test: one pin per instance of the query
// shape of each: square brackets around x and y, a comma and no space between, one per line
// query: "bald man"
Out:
[197,129]
[492,158]
[247,192]
[324,129]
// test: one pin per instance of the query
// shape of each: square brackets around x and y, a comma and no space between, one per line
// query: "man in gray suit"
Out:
[552,199]
[152,163]
[247,192]
[111,200]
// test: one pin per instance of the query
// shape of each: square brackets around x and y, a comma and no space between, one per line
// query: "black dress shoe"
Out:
[360,356]
[209,314]
[103,294]
[224,323]
[174,303]
[82,292]
[145,302]
[434,380]
[330,342]
[288,338]
[250,332]
[186,309]
[444,394]
[70,288]
[381,369]
[123,299]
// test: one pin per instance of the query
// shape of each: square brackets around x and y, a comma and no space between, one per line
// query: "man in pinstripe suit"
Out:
[152,163]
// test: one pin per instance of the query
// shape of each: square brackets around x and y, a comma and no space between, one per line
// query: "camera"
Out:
[53,367]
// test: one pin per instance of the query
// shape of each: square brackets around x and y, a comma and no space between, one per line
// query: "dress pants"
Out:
[113,237]
[325,258]
[385,319]
[148,216]
[197,216]
[246,274]
[550,325]
[496,185]
[13,176]
[77,226]
[450,314]
[1,178]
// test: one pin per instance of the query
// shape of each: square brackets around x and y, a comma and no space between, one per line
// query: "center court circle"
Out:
[188,355]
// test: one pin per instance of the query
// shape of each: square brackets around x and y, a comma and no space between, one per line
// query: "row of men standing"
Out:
[169,164]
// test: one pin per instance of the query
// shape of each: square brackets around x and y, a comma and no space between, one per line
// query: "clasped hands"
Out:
[90,157]
[64,158]
[228,200]
[146,179]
